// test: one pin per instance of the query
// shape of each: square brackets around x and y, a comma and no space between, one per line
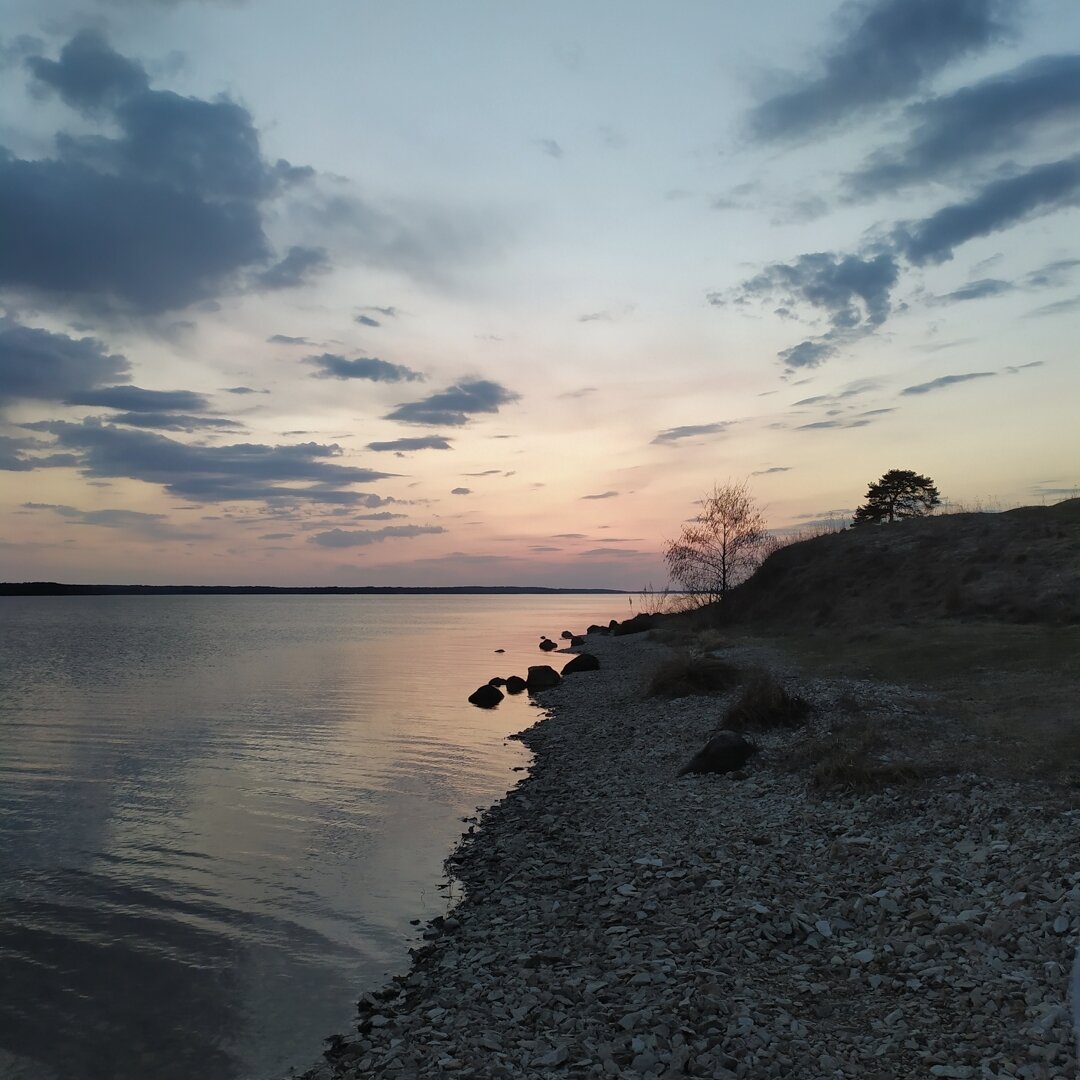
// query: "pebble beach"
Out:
[616,920]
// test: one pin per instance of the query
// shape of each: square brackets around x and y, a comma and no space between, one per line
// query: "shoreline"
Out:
[617,921]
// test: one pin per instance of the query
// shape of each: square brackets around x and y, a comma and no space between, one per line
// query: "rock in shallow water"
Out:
[486,696]
[542,677]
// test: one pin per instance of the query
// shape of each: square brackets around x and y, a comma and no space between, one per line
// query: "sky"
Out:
[346,293]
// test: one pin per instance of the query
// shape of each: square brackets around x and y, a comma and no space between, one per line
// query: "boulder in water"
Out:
[486,696]
[542,677]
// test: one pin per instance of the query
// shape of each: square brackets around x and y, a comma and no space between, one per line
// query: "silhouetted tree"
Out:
[720,547]
[900,493]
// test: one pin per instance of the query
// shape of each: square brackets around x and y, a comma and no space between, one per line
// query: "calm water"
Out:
[218,814]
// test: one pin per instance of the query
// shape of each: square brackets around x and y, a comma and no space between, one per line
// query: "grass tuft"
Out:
[765,704]
[684,675]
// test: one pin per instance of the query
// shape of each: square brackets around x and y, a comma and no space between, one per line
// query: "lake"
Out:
[218,814]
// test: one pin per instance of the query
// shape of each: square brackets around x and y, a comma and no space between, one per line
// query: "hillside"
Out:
[1020,566]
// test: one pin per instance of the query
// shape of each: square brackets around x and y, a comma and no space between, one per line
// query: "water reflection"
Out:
[218,814]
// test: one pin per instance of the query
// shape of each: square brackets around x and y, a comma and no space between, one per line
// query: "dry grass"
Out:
[765,704]
[856,759]
[684,675]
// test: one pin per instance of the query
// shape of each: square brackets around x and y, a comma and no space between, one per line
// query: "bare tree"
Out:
[722,546]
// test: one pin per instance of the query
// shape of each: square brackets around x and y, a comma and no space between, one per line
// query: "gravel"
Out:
[620,922]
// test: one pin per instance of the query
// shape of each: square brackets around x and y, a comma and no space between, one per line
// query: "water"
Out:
[218,814]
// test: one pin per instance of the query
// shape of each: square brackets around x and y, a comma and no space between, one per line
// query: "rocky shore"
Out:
[618,921]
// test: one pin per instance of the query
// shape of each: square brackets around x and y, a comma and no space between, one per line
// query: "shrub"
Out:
[684,675]
[766,704]
[848,760]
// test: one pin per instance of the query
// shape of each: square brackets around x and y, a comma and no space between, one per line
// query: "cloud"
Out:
[366,320]
[568,536]
[136,399]
[243,390]
[602,495]
[153,526]
[774,469]
[241,471]
[277,536]
[422,442]
[454,406]
[461,491]
[975,290]
[42,366]
[997,206]
[12,454]
[853,291]
[945,380]
[1059,307]
[341,538]
[1053,274]
[995,115]
[550,147]
[596,316]
[828,424]
[299,265]
[284,339]
[890,49]
[673,435]
[608,552]
[365,367]
[89,75]
[159,209]
[166,421]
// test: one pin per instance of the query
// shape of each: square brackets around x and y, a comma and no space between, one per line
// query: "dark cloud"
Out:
[243,390]
[602,495]
[162,211]
[421,442]
[297,268]
[241,471]
[568,536]
[341,538]
[608,552]
[277,536]
[486,472]
[366,320]
[43,366]
[389,312]
[673,435]
[454,406]
[164,421]
[976,290]
[890,49]
[596,316]
[382,515]
[461,491]
[550,147]
[89,75]
[153,526]
[13,454]
[284,339]
[853,291]
[774,469]
[996,115]
[366,367]
[997,206]
[136,399]
[946,380]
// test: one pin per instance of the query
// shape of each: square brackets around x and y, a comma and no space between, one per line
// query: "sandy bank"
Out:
[620,922]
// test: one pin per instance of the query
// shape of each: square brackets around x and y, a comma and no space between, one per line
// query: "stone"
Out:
[725,752]
[548,645]
[486,696]
[542,677]
[515,684]
[582,662]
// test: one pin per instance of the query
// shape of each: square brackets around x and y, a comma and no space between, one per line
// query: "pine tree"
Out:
[900,493]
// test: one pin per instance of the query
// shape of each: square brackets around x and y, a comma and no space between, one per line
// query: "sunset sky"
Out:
[430,293]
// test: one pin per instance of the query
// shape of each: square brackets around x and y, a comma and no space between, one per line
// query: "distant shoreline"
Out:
[54,588]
